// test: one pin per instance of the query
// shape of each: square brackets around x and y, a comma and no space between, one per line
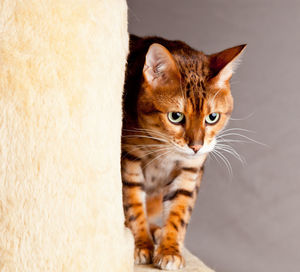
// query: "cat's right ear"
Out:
[160,67]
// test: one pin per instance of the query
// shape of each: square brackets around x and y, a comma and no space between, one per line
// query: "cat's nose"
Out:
[195,147]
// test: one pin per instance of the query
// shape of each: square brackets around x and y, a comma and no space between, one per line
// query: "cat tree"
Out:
[62,71]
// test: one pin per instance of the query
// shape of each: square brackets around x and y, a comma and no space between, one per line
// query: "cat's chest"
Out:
[157,172]
[160,169]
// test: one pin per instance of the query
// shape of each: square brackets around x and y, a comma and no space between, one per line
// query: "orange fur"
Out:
[154,205]
[162,161]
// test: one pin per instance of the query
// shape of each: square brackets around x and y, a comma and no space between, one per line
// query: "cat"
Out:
[176,100]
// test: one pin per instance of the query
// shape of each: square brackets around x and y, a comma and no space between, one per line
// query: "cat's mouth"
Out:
[197,154]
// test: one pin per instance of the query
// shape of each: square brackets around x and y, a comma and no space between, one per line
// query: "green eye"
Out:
[212,118]
[176,117]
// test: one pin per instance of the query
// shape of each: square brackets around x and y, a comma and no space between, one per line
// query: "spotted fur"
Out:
[162,162]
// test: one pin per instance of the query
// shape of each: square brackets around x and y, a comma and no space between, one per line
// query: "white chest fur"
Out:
[158,169]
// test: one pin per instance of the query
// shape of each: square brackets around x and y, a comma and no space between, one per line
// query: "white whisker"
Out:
[242,119]
[154,148]
[226,162]
[243,136]
[238,129]
[169,151]
[221,140]
[229,149]
[150,133]
[158,150]
[144,136]
[215,157]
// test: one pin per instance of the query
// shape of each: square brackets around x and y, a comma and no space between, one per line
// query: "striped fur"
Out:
[160,169]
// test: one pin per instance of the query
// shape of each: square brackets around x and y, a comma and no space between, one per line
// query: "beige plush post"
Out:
[61,77]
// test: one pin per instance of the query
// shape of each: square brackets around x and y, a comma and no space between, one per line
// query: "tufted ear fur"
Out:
[160,67]
[224,63]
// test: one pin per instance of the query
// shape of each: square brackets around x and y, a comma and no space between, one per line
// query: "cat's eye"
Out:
[176,117]
[212,118]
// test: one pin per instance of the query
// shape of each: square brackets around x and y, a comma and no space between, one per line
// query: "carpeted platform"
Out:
[193,264]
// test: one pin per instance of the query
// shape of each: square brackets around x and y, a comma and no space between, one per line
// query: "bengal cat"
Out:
[176,101]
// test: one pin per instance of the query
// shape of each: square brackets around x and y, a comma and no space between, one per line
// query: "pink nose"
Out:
[195,147]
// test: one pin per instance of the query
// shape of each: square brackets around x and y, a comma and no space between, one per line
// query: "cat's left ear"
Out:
[224,63]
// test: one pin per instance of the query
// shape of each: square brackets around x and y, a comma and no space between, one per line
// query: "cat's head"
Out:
[185,98]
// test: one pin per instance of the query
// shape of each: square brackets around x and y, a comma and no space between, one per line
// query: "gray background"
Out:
[249,222]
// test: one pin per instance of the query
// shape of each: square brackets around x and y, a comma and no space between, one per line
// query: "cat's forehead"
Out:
[192,67]
[192,79]
[194,95]
[193,86]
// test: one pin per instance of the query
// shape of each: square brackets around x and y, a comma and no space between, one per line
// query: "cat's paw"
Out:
[142,255]
[168,260]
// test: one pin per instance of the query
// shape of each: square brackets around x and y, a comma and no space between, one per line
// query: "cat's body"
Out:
[176,100]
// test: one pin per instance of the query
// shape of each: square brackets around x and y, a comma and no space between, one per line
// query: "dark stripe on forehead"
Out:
[188,90]
[203,94]
[197,102]
[201,105]
[203,88]
[192,98]
[188,93]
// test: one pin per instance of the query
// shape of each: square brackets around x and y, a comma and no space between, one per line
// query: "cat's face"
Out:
[185,102]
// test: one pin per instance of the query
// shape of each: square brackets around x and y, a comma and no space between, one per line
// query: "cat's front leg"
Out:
[134,208]
[179,200]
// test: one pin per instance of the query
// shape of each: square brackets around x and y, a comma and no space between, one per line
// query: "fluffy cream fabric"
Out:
[62,70]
